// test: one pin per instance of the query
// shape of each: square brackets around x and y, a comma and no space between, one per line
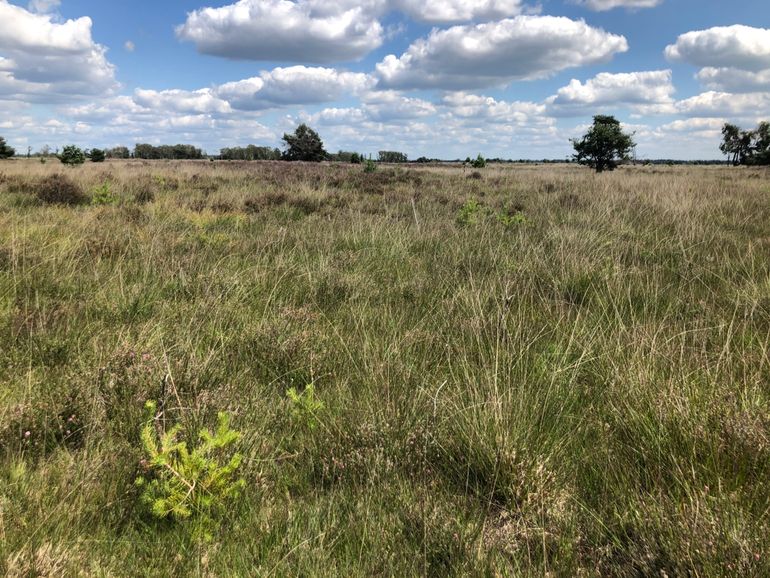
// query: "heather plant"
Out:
[59,189]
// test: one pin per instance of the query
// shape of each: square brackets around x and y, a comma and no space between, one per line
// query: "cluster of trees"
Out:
[347,157]
[118,153]
[173,152]
[250,153]
[746,147]
[391,157]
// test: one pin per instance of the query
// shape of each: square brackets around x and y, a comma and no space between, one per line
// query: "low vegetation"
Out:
[408,371]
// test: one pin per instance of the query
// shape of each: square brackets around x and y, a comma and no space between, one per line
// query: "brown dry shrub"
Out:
[263,201]
[60,190]
[144,194]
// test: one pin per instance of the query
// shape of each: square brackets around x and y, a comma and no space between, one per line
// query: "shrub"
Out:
[5,150]
[144,194]
[72,155]
[510,219]
[469,213]
[479,162]
[304,406]
[97,155]
[60,190]
[102,195]
[180,483]
[370,166]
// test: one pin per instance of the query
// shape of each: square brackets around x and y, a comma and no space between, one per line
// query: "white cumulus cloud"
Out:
[734,79]
[385,106]
[286,30]
[45,61]
[635,89]
[725,104]
[495,53]
[473,106]
[438,11]
[203,101]
[737,46]
[293,85]
[603,5]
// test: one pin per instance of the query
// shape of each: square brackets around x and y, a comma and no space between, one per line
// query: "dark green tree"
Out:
[97,155]
[304,145]
[72,155]
[730,146]
[604,145]
[746,147]
[5,151]
[479,162]
[762,143]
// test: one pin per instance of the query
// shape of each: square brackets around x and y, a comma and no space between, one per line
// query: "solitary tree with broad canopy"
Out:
[603,145]
[5,151]
[304,145]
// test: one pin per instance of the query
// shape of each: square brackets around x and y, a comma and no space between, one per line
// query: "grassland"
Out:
[569,377]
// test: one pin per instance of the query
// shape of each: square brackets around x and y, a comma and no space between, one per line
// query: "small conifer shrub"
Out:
[180,483]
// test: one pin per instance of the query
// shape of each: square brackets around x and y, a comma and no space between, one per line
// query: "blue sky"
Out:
[439,78]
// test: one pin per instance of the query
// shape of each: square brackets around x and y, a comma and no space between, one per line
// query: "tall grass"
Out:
[581,390]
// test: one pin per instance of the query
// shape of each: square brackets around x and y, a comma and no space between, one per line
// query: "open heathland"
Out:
[437,371]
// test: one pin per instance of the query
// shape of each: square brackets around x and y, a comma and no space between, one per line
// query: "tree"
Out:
[746,147]
[479,162]
[603,145]
[97,156]
[762,143]
[5,151]
[391,157]
[119,152]
[72,155]
[304,145]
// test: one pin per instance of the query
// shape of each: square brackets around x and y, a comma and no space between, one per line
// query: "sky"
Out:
[436,78]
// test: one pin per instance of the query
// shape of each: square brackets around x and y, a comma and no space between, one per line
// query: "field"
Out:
[520,371]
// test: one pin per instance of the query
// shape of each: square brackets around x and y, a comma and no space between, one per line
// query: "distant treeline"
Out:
[263,153]
[250,153]
[148,151]
[175,152]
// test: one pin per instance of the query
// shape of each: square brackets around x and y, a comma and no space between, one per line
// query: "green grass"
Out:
[574,382]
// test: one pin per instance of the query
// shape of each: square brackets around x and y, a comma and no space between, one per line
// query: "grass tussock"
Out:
[530,371]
